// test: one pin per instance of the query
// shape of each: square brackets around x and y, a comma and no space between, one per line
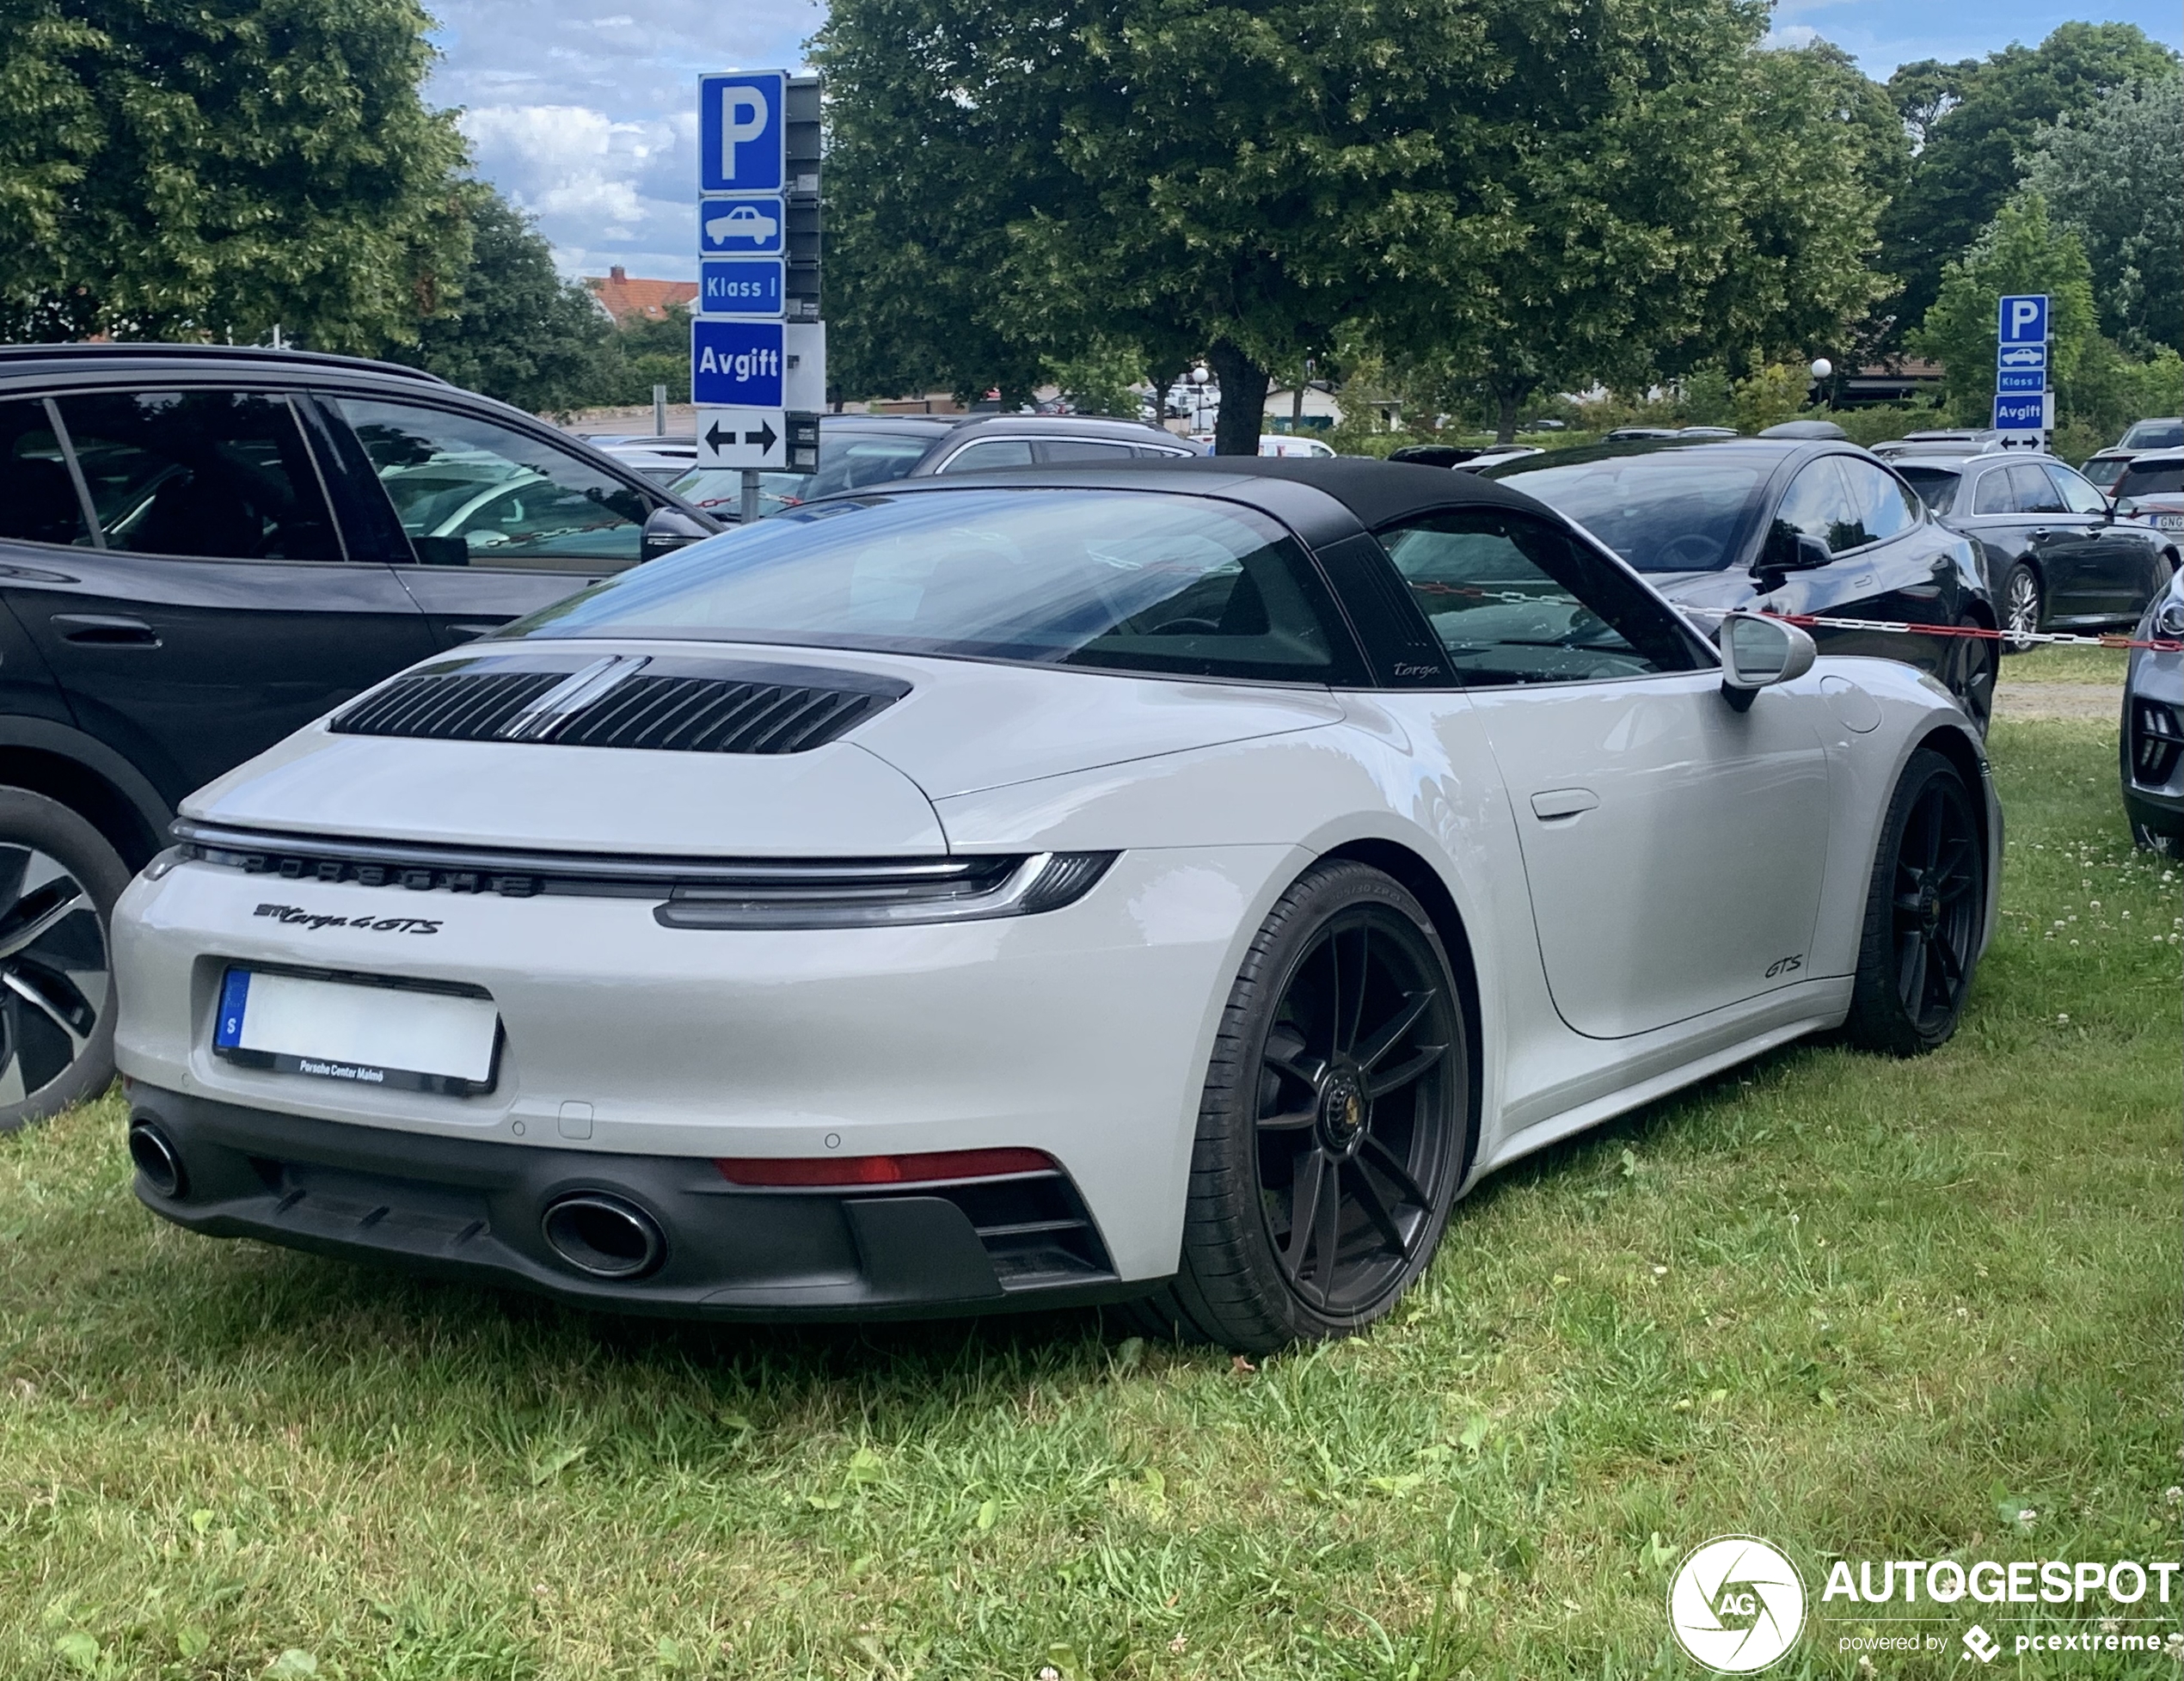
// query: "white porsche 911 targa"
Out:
[1171,886]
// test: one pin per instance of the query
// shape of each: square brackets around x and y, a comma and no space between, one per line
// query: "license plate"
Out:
[402,1037]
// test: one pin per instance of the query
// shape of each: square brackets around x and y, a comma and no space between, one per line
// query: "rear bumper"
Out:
[475,1209]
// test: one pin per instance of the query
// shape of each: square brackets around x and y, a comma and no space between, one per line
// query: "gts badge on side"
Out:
[296,916]
[1785,965]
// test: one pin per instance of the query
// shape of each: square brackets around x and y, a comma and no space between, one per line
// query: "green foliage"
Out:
[2111,174]
[1769,397]
[2022,251]
[194,167]
[1974,119]
[644,352]
[1102,380]
[510,327]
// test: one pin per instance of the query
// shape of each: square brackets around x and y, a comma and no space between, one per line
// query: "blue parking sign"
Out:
[2024,319]
[749,286]
[736,363]
[741,130]
[741,227]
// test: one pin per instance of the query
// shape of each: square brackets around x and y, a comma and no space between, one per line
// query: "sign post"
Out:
[757,343]
[2024,402]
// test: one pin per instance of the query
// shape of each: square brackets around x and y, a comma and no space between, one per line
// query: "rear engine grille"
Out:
[633,700]
[2157,743]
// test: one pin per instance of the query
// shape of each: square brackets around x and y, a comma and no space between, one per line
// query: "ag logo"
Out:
[1736,1605]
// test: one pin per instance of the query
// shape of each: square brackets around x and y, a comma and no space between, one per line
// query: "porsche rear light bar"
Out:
[922,1168]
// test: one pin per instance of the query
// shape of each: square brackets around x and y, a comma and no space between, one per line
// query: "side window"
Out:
[1514,600]
[2079,496]
[1883,507]
[220,474]
[2034,491]
[471,492]
[1083,449]
[1994,495]
[990,453]
[1817,504]
[37,499]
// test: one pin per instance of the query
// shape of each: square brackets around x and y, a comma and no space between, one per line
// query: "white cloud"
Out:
[1791,36]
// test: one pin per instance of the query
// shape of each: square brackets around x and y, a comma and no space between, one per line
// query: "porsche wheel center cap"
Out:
[1342,1110]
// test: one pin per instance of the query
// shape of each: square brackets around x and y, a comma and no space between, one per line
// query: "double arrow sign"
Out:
[764,438]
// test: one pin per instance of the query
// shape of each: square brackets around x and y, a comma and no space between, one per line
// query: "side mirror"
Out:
[1788,550]
[1759,652]
[666,530]
[2124,507]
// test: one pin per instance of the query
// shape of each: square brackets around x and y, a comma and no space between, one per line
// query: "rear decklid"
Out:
[716,750]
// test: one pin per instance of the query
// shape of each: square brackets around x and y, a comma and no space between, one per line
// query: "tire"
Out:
[1977,663]
[58,880]
[1340,1076]
[2024,607]
[1924,910]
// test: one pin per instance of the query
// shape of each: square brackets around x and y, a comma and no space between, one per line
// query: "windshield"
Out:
[1936,486]
[1118,579]
[1665,510]
[851,460]
[2155,435]
[2152,478]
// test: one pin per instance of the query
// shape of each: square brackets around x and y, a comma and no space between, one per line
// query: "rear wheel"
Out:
[1333,1123]
[2024,609]
[59,880]
[1923,914]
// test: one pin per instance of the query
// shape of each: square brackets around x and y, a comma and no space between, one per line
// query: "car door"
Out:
[218,610]
[1985,510]
[489,521]
[2120,569]
[2060,545]
[1673,846]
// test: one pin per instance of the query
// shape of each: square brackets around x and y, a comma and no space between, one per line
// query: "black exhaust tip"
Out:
[605,1238]
[157,1159]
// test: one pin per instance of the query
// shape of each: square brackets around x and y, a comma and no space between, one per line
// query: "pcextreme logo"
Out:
[1736,1605]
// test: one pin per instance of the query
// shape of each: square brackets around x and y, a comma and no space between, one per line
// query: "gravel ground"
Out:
[2023,702]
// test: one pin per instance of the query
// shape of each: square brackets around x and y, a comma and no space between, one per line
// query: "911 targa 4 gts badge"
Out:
[296,916]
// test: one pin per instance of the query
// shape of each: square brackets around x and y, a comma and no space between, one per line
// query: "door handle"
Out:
[1550,804]
[106,630]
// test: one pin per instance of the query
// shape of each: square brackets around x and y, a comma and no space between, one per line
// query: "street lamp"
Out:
[1823,371]
[1198,376]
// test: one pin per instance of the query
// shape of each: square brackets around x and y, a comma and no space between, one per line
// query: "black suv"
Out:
[203,548]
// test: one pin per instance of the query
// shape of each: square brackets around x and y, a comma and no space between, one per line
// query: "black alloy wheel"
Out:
[59,880]
[1923,914]
[1334,1124]
[2023,608]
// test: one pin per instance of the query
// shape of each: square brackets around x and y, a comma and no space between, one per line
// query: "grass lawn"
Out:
[1860,1307]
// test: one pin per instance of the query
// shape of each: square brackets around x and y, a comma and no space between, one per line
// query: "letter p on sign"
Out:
[743,119]
[2024,319]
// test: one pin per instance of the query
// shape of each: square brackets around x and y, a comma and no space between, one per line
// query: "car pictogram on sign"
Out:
[743,221]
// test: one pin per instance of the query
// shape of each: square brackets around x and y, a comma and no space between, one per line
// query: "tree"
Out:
[509,325]
[2022,250]
[1974,120]
[2111,174]
[194,167]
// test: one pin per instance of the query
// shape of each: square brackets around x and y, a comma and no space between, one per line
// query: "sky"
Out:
[586,116]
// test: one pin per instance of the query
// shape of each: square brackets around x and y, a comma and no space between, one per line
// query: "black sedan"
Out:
[1786,525]
[2054,554]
